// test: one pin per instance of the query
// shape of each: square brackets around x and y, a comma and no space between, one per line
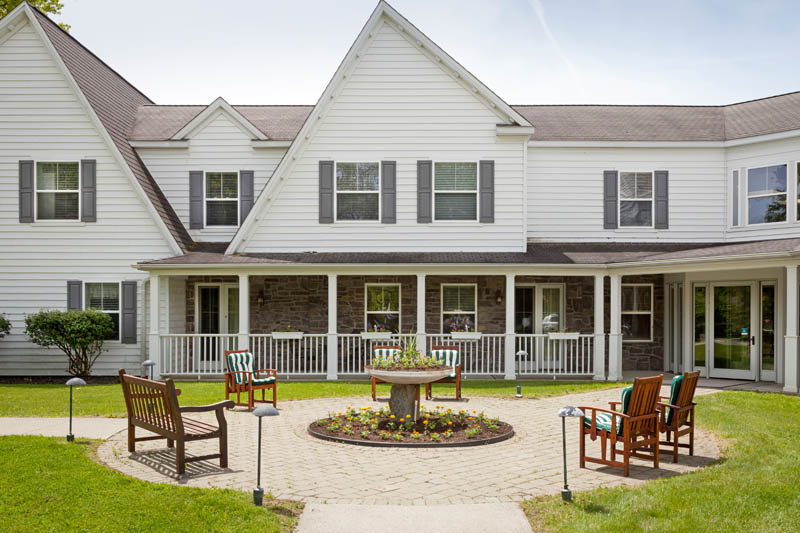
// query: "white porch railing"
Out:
[195,354]
[356,352]
[303,356]
[546,356]
[483,356]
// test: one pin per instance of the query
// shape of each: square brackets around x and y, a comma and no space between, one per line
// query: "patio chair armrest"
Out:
[267,371]
[246,378]
[224,404]
[600,409]
[613,405]
[677,408]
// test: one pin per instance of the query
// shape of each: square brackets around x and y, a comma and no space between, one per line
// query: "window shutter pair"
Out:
[660,197]
[88,190]
[388,192]
[425,191]
[246,196]
[127,319]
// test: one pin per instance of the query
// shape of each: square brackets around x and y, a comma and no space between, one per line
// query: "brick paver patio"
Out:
[300,467]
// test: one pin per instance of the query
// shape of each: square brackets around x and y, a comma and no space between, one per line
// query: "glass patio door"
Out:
[217,313]
[539,309]
[733,328]
[767,332]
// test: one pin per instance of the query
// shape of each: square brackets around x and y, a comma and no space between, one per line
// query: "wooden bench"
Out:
[153,406]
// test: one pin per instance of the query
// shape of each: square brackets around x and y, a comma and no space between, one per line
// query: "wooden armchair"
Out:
[242,378]
[153,405]
[677,416]
[449,355]
[636,426]
[383,351]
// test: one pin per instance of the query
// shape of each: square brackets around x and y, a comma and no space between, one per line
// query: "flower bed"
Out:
[437,427]
[408,360]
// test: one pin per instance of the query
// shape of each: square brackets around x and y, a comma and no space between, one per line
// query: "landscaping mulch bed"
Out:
[437,428]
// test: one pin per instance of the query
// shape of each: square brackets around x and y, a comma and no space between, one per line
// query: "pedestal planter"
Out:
[404,396]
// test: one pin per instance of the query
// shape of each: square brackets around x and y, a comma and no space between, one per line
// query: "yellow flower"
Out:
[339,413]
[449,423]
[469,418]
[391,416]
[402,420]
[424,421]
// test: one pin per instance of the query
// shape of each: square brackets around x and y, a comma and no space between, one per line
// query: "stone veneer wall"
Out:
[642,355]
[297,301]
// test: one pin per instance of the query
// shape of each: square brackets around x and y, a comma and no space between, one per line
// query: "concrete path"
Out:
[82,428]
[475,518]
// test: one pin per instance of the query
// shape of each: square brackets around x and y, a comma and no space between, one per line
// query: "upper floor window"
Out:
[459,307]
[766,194]
[637,312]
[222,199]
[57,191]
[357,191]
[382,309]
[636,199]
[104,297]
[455,191]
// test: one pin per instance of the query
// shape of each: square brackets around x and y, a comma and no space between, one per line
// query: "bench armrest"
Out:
[225,404]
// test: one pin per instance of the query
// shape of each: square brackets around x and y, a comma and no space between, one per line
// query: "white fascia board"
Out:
[201,117]
[763,138]
[12,22]
[159,144]
[666,144]
[705,264]
[525,131]
[101,129]
[270,144]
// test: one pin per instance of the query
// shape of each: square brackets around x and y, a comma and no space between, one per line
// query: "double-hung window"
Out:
[636,199]
[358,191]
[57,191]
[766,194]
[382,307]
[455,191]
[222,199]
[104,297]
[637,312]
[459,307]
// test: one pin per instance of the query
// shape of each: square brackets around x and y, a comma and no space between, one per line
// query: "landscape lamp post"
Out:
[520,355]
[564,413]
[73,382]
[261,411]
[148,368]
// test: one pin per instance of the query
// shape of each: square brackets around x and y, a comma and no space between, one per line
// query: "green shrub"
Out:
[5,326]
[79,334]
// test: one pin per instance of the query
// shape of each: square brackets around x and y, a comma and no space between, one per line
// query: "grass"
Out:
[753,487]
[50,485]
[106,400]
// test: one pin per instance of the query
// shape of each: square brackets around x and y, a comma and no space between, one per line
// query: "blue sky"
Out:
[528,51]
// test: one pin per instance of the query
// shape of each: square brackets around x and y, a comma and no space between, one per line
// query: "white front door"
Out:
[734,316]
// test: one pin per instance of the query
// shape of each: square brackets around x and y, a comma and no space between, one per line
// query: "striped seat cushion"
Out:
[385,352]
[264,381]
[448,357]
[603,420]
[240,362]
[675,390]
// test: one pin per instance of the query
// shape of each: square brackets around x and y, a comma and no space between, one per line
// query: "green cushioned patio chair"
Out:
[449,355]
[677,416]
[383,351]
[636,426]
[242,378]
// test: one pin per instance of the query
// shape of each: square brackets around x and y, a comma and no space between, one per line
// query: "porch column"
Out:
[615,335]
[790,339]
[244,312]
[422,345]
[599,328]
[510,350]
[333,345]
[155,321]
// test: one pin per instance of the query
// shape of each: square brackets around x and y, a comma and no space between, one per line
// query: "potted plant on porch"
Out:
[287,333]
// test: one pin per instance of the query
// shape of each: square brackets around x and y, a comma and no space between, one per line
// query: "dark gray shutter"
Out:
[127,319]
[389,192]
[610,199]
[326,192]
[661,186]
[74,295]
[89,190]
[245,193]
[26,191]
[486,191]
[196,199]
[424,191]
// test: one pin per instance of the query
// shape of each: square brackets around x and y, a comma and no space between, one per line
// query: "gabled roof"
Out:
[205,114]
[114,101]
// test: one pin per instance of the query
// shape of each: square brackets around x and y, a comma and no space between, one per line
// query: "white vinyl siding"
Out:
[358,191]
[58,190]
[42,119]
[455,191]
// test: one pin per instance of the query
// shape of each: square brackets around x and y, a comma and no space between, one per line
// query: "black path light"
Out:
[520,355]
[564,413]
[261,411]
[73,382]
[148,368]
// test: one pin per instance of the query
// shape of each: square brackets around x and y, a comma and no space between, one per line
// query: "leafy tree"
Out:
[5,326]
[79,334]
[53,7]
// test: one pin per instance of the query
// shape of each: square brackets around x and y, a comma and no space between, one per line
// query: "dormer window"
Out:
[57,191]
[222,199]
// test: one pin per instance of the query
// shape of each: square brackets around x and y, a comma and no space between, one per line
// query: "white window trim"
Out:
[652,200]
[734,197]
[36,192]
[206,199]
[441,304]
[367,312]
[84,292]
[477,193]
[650,312]
[379,192]
[747,196]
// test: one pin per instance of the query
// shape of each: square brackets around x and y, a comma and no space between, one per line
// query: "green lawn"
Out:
[106,400]
[753,488]
[49,485]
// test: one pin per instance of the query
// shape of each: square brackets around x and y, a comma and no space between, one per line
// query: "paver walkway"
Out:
[299,467]
[82,428]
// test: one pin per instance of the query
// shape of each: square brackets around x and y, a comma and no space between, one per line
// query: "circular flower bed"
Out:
[438,427]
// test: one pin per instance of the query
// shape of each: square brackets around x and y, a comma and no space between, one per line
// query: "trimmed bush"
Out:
[79,334]
[5,326]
